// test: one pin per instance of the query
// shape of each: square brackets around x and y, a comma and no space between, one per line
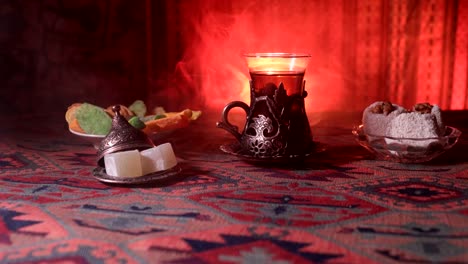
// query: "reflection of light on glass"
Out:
[291,64]
[267,66]
[273,63]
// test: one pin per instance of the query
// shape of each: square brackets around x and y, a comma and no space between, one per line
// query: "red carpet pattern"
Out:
[342,206]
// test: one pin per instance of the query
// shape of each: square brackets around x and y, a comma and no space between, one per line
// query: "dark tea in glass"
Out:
[277,124]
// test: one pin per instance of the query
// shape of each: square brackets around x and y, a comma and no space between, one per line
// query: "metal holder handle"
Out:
[225,124]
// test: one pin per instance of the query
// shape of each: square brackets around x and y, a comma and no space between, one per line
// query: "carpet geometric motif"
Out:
[419,192]
[323,173]
[132,215]
[244,244]
[411,193]
[18,221]
[202,178]
[53,187]
[13,162]
[76,159]
[287,204]
[406,237]
[23,162]
[341,207]
[79,251]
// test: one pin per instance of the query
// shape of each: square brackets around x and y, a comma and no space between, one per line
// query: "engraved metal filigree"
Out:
[259,144]
[276,124]
[265,134]
[121,137]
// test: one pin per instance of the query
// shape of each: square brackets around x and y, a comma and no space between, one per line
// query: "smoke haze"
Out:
[217,33]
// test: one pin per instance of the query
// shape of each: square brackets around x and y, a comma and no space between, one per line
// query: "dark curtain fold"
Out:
[406,51]
[183,53]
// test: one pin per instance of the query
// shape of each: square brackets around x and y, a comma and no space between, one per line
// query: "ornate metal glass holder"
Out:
[276,122]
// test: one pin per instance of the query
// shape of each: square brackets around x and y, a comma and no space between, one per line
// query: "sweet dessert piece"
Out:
[413,125]
[124,111]
[133,163]
[426,108]
[377,116]
[70,117]
[159,158]
[93,119]
[138,107]
[425,121]
[169,121]
[123,164]
[136,122]
[419,127]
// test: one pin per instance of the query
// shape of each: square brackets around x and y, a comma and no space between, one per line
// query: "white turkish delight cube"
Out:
[123,164]
[158,158]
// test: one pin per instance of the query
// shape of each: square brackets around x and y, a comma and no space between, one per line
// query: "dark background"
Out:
[180,53]
[55,53]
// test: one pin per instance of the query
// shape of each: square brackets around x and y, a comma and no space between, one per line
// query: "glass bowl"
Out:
[407,150]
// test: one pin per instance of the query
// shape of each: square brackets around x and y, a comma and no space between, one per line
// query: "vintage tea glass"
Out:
[276,123]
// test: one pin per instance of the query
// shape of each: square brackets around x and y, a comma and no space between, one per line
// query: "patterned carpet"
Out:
[341,206]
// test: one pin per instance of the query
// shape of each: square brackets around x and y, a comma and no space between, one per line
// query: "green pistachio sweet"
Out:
[93,119]
[136,122]
[159,116]
[138,107]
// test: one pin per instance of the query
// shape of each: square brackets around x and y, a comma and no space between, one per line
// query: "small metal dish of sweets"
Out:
[127,155]
[407,150]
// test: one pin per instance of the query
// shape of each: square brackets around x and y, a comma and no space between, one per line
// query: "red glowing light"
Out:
[360,53]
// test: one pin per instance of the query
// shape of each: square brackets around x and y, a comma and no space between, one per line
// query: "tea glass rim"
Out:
[276,55]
